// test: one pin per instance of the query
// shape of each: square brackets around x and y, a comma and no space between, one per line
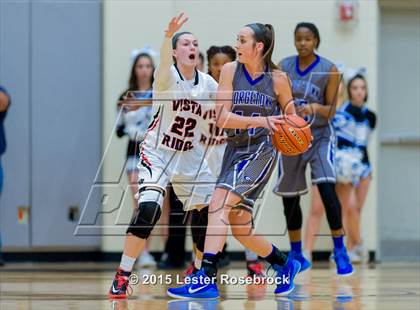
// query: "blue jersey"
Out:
[309,86]
[251,98]
[353,127]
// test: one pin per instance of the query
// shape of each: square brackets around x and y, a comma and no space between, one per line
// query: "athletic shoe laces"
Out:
[121,280]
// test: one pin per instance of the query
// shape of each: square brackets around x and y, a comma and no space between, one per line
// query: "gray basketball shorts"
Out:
[246,170]
[320,156]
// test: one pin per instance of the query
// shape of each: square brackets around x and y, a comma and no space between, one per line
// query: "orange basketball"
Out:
[294,137]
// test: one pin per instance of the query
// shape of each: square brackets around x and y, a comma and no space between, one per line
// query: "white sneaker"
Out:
[307,255]
[354,257]
[146,260]
[361,252]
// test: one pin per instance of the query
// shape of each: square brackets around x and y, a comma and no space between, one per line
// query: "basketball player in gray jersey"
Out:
[315,82]
[251,91]
[250,98]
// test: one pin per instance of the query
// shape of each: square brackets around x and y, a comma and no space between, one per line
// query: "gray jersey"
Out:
[309,86]
[251,98]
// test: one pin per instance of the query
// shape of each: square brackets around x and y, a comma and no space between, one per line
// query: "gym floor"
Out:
[85,286]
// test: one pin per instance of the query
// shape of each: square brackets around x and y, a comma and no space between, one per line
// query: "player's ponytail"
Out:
[265,34]
[269,53]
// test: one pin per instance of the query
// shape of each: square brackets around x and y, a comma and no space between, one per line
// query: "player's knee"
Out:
[317,210]
[328,195]
[351,211]
[291,206]
[147,214]
[216,206]
[345,207]
[144,219]
[222,201]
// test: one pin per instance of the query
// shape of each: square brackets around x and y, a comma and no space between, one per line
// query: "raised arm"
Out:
[163,77]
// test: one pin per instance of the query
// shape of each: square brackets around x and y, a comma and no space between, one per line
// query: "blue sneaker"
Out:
[342,261]
[304,263]
[287,274]
[198,286]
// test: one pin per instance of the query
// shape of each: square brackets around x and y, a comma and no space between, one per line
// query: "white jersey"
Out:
[171,151]
[213,139]
[178,112]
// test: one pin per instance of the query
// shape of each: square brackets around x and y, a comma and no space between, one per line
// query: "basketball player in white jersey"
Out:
[170,151]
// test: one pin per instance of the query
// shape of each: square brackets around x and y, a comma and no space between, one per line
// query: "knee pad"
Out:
[293,212]
[199,222]
[147,213]
[332,205]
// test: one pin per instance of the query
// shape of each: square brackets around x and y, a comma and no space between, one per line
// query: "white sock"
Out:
[197,263]
[250,256]
[127,263]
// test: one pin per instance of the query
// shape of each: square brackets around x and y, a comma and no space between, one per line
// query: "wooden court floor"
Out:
[85,286]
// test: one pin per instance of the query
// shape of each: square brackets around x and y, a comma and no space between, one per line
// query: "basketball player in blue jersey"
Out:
[249,96]
[315,82]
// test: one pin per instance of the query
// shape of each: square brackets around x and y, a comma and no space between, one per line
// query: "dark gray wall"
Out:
[50,61]
[15,76]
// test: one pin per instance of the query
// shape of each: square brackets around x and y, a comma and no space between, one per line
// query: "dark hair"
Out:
[132,82]
[176,36]
[225,49]
[356,77]
[312,28]
[265,33]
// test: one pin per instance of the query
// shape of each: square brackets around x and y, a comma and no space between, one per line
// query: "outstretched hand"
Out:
[175,24]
